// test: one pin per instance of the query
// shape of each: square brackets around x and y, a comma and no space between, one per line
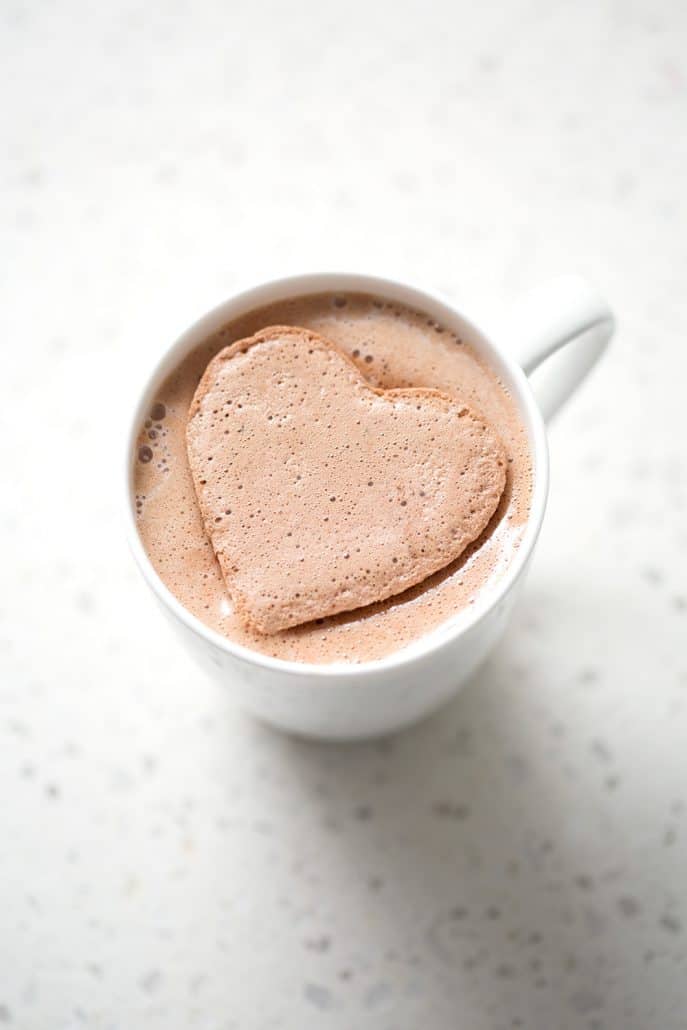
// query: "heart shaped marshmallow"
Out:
[321,494]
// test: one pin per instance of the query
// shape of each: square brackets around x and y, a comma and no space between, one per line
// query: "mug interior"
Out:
[505,368]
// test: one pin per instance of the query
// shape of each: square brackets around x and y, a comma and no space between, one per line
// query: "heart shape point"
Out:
[322,494]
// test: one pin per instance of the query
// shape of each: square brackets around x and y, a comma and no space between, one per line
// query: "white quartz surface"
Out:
[519,860]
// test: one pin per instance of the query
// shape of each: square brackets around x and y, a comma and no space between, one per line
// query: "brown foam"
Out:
[320,493]
[394,347]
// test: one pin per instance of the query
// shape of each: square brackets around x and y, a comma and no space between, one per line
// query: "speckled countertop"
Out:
[520,859]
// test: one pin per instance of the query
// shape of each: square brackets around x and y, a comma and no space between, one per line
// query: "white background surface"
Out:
[520,859]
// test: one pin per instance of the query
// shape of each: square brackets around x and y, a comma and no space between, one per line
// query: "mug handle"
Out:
[559,331]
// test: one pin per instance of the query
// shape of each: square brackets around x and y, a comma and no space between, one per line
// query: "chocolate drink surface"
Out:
[394,347]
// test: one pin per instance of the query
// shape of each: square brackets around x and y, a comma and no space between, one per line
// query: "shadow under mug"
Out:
[558,331]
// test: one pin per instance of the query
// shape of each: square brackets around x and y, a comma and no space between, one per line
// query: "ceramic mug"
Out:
[559,330]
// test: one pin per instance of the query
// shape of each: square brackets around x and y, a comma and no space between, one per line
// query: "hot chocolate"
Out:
[394,348]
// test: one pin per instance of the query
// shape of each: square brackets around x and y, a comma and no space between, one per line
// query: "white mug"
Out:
[565,319]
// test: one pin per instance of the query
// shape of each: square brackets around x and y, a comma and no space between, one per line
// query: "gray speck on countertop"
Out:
[317,995]
[585,1001]
[671,923]
[376,995]
[451,810]
[601,751]
[150,981]
[628,906]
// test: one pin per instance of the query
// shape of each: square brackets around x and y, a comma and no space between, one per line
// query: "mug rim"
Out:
[299,285]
